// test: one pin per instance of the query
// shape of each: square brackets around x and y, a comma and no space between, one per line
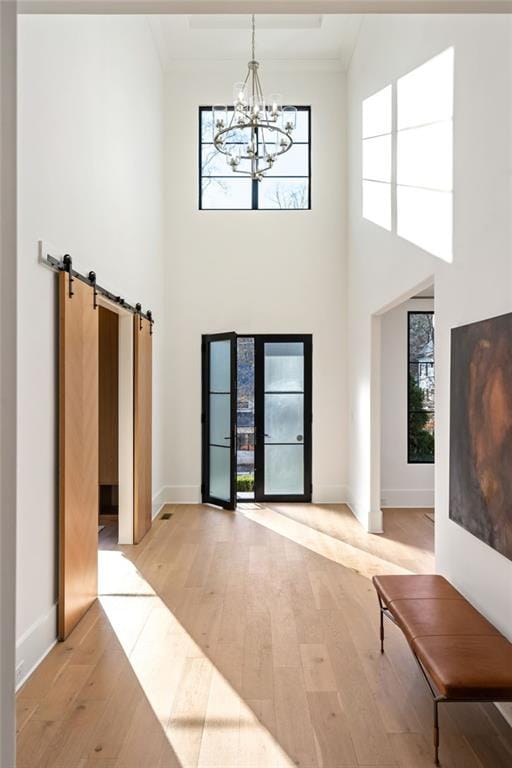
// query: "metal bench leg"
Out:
[436,731]
[381,625]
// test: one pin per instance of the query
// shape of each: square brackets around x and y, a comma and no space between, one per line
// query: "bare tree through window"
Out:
[286,187]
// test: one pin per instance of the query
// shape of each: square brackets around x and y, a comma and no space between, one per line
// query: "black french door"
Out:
[219,420]
[282,418]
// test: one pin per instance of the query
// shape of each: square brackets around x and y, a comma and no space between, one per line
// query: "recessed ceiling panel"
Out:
[280,38]
[243,21]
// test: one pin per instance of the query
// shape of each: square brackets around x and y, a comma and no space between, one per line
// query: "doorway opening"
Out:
[108,414]
[257,414]
[407,407]
[245,419]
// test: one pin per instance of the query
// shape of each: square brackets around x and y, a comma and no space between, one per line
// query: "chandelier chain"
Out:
[265,126]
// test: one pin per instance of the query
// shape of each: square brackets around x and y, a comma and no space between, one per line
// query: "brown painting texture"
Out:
[481,431]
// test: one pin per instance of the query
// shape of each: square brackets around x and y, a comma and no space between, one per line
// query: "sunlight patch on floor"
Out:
[205,720]
[340,552]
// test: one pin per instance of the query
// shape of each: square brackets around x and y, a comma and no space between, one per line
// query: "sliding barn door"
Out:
[142,428]
[78,448]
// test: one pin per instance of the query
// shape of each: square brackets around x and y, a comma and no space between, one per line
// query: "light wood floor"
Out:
[248,640]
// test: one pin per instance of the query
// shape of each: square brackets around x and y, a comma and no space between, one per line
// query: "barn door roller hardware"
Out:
[66,265]
[149,316]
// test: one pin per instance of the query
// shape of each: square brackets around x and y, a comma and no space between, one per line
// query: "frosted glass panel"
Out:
[377,113]
[284,366]
[377,203]
[284,418]
[424,217]
[220,419]
[284,469]
[425,95]
[220,473]
[424,156]
[220,366]
[377,158]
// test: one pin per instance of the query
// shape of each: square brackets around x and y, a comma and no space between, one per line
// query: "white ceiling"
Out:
[305,38]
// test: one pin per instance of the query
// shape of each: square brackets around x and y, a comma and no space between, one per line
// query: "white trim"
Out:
[329,494]
[191,494]
[271,65]
[407,497]
[36,643]
[178,494]
[125,407]
[505,710]
[158,502]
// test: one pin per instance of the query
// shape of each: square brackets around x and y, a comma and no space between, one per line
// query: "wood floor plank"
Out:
[331,729]
[293,722]
[69,743]
[186,724]
[317,668]
[257,672]
[248,639]
[220,742]
[64,691]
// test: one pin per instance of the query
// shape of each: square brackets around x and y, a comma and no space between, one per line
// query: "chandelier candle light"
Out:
[255,132]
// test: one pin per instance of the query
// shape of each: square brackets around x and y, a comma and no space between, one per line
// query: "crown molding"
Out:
[269,65]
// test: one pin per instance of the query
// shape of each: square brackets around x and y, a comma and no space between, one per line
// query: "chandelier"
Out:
[254,132]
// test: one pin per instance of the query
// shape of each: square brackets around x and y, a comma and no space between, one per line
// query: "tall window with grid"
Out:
[287,186]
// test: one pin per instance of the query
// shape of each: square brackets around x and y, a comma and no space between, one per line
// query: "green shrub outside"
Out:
[245,483]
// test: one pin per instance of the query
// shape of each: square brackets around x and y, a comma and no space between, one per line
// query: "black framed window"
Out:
[421,388]
[287,186]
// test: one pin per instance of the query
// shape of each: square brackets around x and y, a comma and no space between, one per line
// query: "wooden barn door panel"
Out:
[142,428]
[78,449]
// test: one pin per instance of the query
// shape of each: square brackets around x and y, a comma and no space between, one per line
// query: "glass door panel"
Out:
[219,419]
[283,437]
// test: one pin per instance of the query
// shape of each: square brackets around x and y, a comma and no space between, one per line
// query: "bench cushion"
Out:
[468,667]
[400,587]
[424,617]
[463,654]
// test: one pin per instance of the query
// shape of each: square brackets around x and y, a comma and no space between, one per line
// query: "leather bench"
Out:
[463,657]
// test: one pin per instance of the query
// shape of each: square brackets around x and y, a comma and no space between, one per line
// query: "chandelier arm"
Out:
[224,151]
[249,173]
[251,126]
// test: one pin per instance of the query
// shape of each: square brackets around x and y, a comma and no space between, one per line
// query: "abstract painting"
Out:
[481,431]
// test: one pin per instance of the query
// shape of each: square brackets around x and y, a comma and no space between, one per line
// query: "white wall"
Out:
[402,484]
[90,183]
[478,282]
[7,378]
[255,271]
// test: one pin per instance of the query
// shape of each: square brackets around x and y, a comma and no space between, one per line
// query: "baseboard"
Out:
[329,494]
[158,502]
[506,711]
[177,494]
[34,644]
[407,497]
[191,494]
